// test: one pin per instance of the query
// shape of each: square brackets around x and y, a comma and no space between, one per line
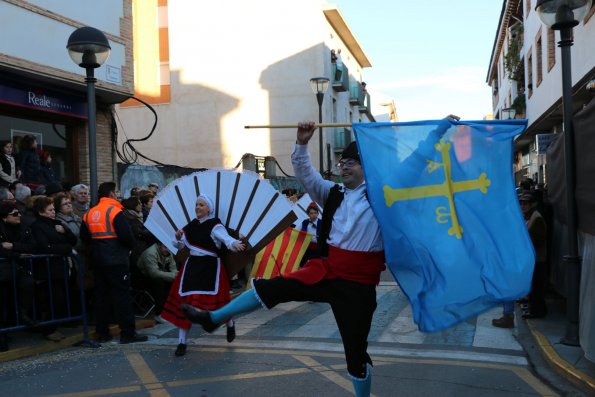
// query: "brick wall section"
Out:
[104,146]
[105,171]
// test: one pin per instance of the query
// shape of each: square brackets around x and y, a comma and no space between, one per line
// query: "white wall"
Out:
[36,38]
[234,64]
[582,58]
[101,14]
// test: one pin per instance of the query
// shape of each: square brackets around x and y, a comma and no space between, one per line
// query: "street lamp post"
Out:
[508,113]
[319,86]
[89,48]
[564,15]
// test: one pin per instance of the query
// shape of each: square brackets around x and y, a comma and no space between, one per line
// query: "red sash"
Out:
[358,266]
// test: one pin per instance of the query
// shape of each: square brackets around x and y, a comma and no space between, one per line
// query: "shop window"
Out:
[52,139]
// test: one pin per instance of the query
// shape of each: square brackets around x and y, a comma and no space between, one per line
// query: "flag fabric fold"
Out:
[444,195]
[282,255]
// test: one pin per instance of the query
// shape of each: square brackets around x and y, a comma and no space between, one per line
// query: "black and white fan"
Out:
[248,206]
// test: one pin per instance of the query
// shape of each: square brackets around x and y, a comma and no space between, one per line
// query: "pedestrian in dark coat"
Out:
[14,240]
[52,237]
[29,163]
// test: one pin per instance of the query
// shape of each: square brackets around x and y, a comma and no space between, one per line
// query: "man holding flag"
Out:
[348,271]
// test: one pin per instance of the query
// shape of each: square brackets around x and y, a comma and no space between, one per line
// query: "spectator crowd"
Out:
[41,251]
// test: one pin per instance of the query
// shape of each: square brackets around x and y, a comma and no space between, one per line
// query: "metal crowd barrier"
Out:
[46,276]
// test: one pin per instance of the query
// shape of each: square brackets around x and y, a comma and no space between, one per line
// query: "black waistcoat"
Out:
[333,201]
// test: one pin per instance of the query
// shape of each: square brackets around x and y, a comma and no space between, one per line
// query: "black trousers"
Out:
[353,306]
[159,289]
[537,295]
[112,286]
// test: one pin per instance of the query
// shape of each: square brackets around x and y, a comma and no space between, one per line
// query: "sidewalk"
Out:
[545,334]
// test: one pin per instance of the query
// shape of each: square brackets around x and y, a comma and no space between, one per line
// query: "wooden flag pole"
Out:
[295,125]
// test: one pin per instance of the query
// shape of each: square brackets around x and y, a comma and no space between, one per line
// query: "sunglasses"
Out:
[14,213]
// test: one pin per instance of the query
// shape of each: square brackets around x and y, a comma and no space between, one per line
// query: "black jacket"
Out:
[111,251]
[20,237]
[49,240]
[30,166]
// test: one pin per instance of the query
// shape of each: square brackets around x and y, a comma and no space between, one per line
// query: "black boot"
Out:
[199,317]
[231,333]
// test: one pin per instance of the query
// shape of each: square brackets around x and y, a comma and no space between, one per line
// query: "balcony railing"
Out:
[342,138]
[356,94]
[366,107]
[340,77]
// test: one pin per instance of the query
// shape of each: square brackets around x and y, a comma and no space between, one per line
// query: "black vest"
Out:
[333,201]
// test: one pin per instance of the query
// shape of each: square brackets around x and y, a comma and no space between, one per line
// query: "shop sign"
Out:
[543,141]
[41,99]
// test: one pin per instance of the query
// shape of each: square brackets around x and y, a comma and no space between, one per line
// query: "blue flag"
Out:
[444,195]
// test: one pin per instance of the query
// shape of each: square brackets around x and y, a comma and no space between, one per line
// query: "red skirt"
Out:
[171,310]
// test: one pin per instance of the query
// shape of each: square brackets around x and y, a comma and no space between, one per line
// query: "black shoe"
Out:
[199,317]
[103,338]
[506,321]
[231,333]
[180,350]
[3,343]
[124,340]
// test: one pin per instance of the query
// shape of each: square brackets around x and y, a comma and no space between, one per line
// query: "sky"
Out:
[430,56]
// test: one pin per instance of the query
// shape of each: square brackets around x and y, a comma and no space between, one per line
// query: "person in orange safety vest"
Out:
[108,233]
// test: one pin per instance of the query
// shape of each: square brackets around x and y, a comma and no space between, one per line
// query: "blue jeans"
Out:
[508,308]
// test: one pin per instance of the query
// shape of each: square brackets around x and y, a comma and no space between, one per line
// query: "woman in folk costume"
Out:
[202,282]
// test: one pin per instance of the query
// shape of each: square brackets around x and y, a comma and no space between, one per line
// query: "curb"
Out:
[558,364]
[44,347]
[67,342]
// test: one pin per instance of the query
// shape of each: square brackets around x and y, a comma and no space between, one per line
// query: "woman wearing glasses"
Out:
[14,240]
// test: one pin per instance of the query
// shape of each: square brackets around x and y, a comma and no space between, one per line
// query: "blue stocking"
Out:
[363,386]
[246,302]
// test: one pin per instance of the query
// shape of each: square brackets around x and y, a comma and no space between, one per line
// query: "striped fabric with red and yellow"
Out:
[282,255]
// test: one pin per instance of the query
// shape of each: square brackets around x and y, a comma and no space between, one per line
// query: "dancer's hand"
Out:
[305,132]
[239,246]
[179,234]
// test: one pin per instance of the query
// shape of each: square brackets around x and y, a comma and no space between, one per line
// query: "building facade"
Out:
[43,93]
[208,71]
[525,75]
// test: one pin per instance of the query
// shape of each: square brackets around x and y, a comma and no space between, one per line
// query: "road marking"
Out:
[102,392]
[325,371]
[249,322]
[146,376]
[402,329]
[529,379]
[248,375]
[524,374]
[375,350]
[308,359]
